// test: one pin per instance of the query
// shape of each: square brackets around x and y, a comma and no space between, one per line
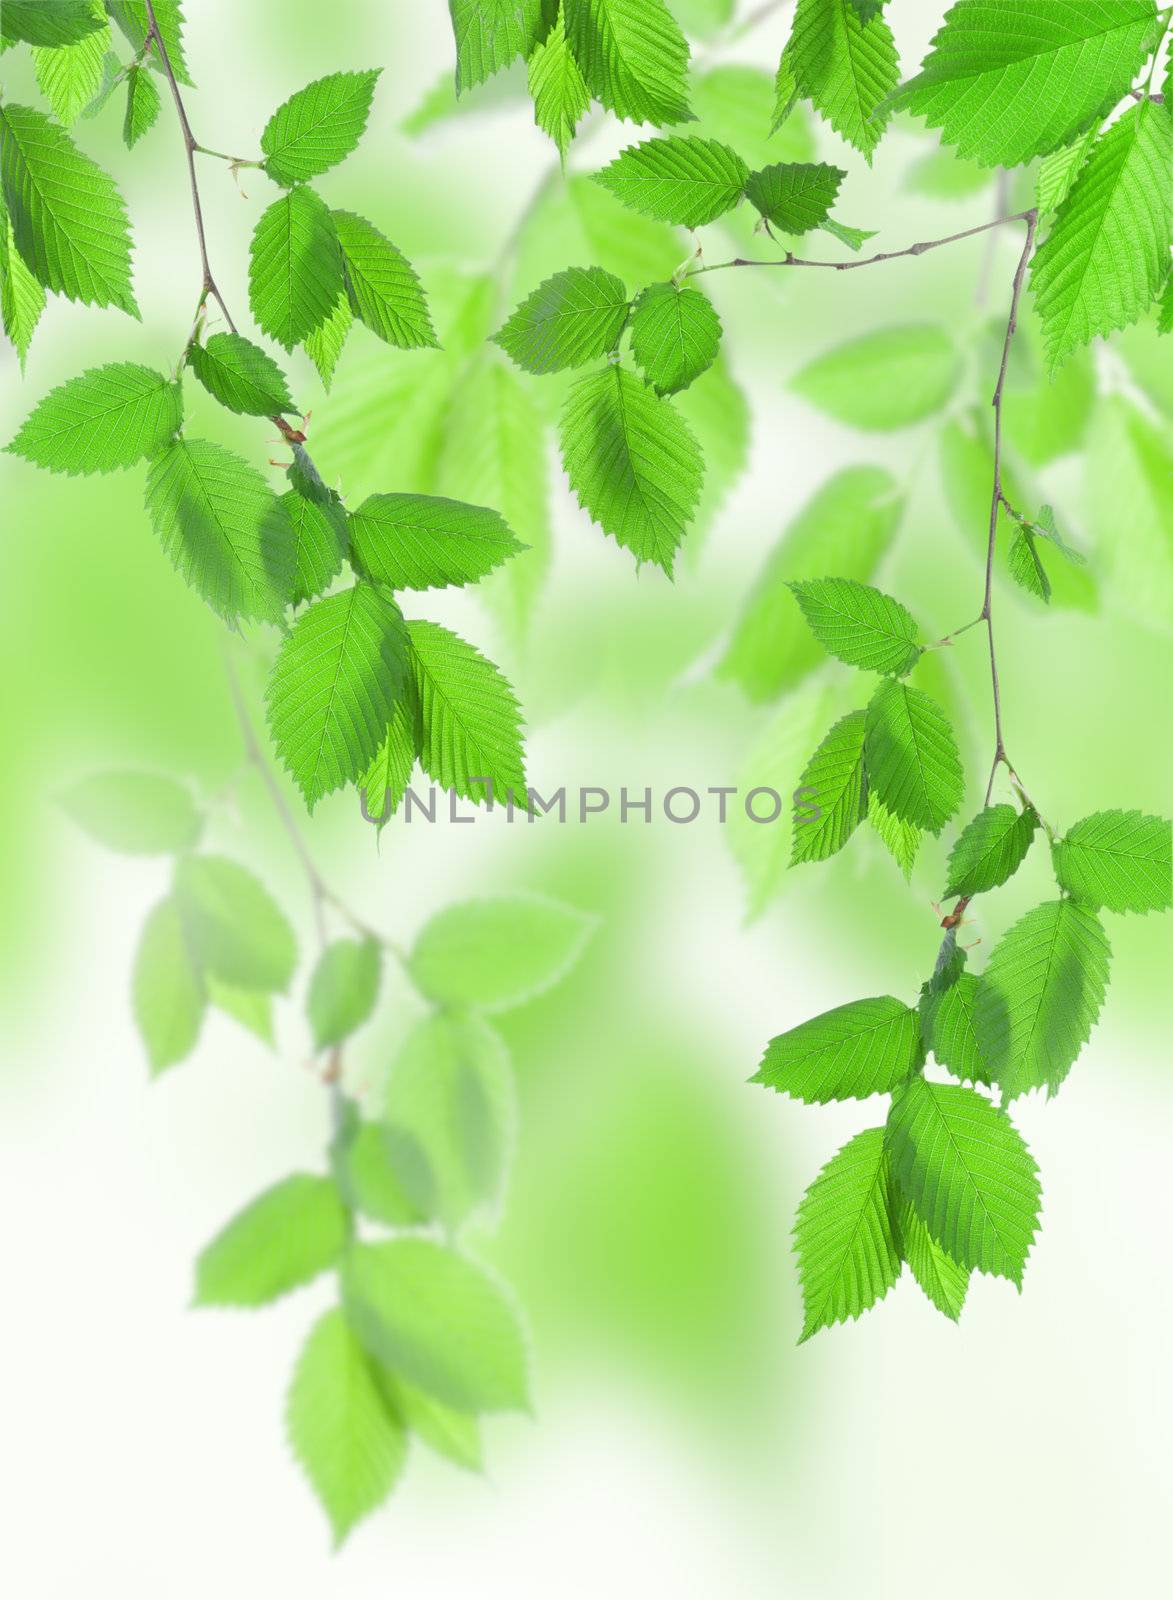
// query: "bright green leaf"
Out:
[901,839]
[632,56]
[990,849]
[860,625]
[317,127]
[572,318]
[320,543]
[492,954]
[384,290]
[795,195]
[830,801]
[675,336]
[109,417]
[943,1281]
[70,75]
[848,1255]
[417,541]
[280,1241]
[559,95]
[864,1048]
[63,22]
[131,16]
[912,756]
[1117,860]
[343,990]
[295,267]
[240,375]
[492,33]
[951,1032]
[22,298]
[846,69]
[685,181]
[469,720]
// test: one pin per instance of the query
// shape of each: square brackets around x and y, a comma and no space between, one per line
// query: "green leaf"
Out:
[140,813]
[632,462]
[830,801]
[350,1442]
[1107,254]
[845,527]
[685,181]
[846,69]
[943,1281]
[572,318]
[236,930]
[675,336]
[384,783]
[1010,79]
[240,375]
[492,33]
[848,1255]
[418,541]
[856,1050]
[131,16]
[944,175]
[492,954]
[109,417]
[1040,996]
[280,1241]
[384,290]
[633,57]
[252,1008]
[167,988]
[451,1101]
[142,105]
[951,1032]
[901,839]
[440,1322]
[334,688]
[990,849]
[884,380]
[455,1435]
[343,990]
[222,528]
[1117,860]
[68,218]
[734,103]
[1025,565]
[320,544]
[372,1180]
[1058,171]
[324,344]
[63,22]
[295,267]
[968,1175]
[317,127]
[469,735]
[70,75]
[912,756]
[860,625]
[704,17]
[22,299]
[560,97]
[795,195]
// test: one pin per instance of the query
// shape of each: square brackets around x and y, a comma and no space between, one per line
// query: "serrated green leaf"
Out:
[142,105]
[831,798]
[717,411]
[1106,257]
[22,298]
[108,418]
[951,1033]
[68,218]
[864,1048]
[334,688]
[469,731]
[968,1175]
[1058,171]
[131,16]
[574,317]
[140,813]
[944,1282]
[343,990]
[384,290]
[1117,861]
[675,336]
[560,96]
[417,541]
[324,344]
[848,1255]
[63,22]
[990,850]
[734,103]
[295,267]
[1006,80]
[350,1442]
[317,127]
[862,626]
[845,68]
[901,839]
[320,544]
[632,463]
[1025,565]
[455,1435]
[235,928]
[912,756]
[383,785]
[632,56]
[685,181]
[853,238]
[795,195]
[451,1102]
[492,954]
[240,375]
[281,1240]
[1040,996]
[492,33]
[440,1321]
[845,527]
[884,380]
[222,528]
[70,75]
[168,988]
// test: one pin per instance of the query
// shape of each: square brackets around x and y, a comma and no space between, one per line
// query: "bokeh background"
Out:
[682,1444]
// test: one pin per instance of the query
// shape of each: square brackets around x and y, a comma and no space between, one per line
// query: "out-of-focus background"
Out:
[681,1444]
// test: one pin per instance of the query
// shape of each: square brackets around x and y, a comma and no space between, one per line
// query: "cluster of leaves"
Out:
[424,1340]
[357,694]
[946,1184]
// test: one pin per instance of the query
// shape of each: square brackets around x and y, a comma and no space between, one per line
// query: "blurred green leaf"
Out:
[281,1240]
[141,813]
[167,987]
[236,929]
[491,954]
[343,989]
